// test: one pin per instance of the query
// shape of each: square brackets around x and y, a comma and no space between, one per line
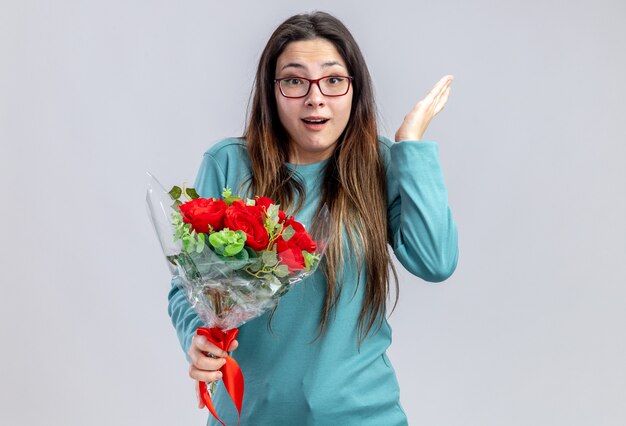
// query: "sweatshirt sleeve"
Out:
[421,229]
[210,182]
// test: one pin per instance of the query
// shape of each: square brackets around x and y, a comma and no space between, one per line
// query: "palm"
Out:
[418,119]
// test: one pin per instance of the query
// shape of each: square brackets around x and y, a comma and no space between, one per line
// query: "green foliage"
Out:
[191,192]
[191,241]
[269,258]
[229,198]
[200,251]
[236,262]
[255,267]
[175,192]
[227,242]
[281,271]
[200,243]
[310,259]
[288,232]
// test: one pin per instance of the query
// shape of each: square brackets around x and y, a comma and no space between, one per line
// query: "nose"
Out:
[315,97]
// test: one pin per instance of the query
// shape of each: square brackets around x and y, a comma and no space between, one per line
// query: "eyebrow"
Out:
[299,65]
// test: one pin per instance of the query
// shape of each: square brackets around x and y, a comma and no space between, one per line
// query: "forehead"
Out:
[312,54]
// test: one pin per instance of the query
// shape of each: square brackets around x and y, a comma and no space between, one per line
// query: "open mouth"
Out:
[315,120]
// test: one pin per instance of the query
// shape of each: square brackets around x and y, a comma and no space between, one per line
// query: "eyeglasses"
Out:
[299,87]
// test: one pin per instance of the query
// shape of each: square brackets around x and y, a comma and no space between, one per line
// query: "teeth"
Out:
[315,121]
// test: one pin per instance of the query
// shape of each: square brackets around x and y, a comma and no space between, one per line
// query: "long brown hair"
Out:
[357,201]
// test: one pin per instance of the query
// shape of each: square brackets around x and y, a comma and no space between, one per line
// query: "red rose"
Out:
[301,238]
[204,214]
[266,202]
[249,219]
[290,254]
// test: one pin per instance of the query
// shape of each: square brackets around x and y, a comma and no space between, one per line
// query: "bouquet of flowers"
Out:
[234,259]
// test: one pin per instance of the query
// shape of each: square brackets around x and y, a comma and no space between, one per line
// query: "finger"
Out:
[203,375]
[443,92]
[234,345]
[441,102]
[436,104]
[203,362]
[440,85]
[200,343]
[430,101]
[431,98]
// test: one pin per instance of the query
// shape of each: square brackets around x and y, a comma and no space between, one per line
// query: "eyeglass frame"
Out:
[316,81]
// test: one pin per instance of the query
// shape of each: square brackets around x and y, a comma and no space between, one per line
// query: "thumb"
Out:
[234,345]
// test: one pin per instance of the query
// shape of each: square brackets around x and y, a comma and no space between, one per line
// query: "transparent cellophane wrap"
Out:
[224,294]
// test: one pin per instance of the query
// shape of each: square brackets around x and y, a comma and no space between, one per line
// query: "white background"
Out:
[529,331]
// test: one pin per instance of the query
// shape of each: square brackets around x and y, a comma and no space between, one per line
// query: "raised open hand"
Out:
[418,119]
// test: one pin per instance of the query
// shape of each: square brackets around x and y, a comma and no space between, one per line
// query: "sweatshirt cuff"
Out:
[412,156]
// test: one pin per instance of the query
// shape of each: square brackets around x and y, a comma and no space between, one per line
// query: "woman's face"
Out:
[314,122]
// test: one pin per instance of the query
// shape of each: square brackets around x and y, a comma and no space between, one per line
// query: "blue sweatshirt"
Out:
[292,379]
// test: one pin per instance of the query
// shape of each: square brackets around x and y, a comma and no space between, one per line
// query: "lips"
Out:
[315,120]
[315,123]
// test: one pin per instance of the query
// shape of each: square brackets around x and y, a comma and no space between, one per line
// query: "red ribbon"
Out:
[232,377]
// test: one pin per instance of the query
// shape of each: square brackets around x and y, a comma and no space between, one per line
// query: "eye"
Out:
[335,80]
[292,81]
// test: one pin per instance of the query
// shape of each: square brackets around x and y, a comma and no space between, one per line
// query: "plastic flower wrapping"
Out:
[233,257]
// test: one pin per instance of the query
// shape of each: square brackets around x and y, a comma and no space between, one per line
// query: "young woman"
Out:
[319,358]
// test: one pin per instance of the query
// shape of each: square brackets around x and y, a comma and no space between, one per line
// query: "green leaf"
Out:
[227,192]
[175,192]
[239,261]
[281,271]
[176,217]
[216,239]
[269,258]
[242,255]
[256,267]
[272,211]
[227,242]
[288,232]
[192,193]
[188,243]
[310,260]
[234,248]
[251,253]
[272,214]
[200,243]
[230,200]
[307,259]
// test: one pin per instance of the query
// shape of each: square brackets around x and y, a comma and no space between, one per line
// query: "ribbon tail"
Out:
[204,394]
[233,382]
[232,376]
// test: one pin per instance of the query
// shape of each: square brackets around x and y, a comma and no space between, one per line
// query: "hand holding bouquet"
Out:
[234,259]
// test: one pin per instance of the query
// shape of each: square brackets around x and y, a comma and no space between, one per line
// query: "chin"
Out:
[321,148]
